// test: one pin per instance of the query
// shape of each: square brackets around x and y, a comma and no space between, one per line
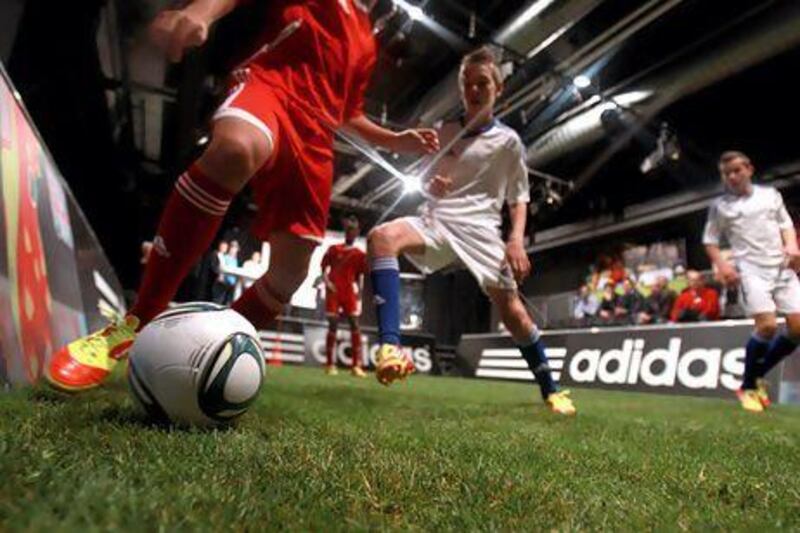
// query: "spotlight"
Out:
[581,81]
[553,198]
[472,23]
[667,150]
[411,184]
[414,12]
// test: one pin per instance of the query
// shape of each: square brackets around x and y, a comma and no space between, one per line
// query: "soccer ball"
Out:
[197,364]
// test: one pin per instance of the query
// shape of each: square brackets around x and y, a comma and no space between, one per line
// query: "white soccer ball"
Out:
[197,364]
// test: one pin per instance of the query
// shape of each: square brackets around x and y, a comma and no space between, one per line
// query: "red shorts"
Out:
[293,188]
[343,301]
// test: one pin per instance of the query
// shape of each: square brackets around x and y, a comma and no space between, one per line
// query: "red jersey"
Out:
[704,301]
[320,54]
[346,264]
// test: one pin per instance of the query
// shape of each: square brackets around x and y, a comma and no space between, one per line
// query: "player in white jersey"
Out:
[765,259]
[482,168]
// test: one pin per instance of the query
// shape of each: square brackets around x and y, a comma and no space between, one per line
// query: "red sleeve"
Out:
[355,101]
[711,304]
[326,259]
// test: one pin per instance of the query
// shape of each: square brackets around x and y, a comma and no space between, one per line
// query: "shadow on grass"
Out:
[130,416]
[45,395]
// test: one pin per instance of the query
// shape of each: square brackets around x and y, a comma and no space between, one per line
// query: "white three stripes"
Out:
[200,198]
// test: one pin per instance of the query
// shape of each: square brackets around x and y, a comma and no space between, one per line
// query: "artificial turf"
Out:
[337,453]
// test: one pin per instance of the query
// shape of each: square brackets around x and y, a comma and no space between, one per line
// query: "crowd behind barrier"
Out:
[667,295]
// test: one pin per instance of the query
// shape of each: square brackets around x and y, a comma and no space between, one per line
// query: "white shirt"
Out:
[752,225]
[487,169]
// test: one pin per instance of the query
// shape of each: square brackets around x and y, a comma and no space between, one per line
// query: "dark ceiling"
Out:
[719,75]
[746,108]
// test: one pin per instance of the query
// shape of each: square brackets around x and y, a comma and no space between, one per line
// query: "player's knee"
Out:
[380,239]
[793,328]
[766,329]
[232,160]
[239,153]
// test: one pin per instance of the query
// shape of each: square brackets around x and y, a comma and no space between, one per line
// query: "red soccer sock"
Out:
[330,346]
[259,304]
[355,342]
[188,225]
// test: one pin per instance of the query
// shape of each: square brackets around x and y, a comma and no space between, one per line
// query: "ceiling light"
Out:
[582,82]
[414,12]
[412,184]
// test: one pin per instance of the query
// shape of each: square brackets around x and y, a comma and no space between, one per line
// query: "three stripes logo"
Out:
[507,363]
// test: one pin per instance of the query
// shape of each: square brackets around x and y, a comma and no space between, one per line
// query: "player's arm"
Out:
[516,256]
[326,270]
[328,283]
[790,248]
[421,140]
[177,30]
[712,234]
[725,270]
[788,234]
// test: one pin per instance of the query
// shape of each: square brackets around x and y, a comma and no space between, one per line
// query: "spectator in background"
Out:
[219,288]
[628,303]
[697,303]
[231,260]
[657,307]
[608,304]
[679,281]
[618,272]
[586,306]
[253,269]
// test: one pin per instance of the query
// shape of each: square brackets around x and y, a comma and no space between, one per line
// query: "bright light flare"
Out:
[581,81]
[415,12]
[412,184]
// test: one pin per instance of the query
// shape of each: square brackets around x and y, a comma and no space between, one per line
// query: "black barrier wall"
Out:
[700,360]
[53,274]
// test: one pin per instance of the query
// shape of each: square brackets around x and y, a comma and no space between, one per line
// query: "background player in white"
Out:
[482,167]
[765,258]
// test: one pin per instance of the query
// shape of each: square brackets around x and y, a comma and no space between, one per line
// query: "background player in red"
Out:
[343,267]
[307,77]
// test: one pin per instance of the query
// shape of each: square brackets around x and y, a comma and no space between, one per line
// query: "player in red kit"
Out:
[343,268]
[307,78]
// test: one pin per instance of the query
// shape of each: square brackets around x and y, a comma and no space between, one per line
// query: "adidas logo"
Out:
[507,363]
[632,364]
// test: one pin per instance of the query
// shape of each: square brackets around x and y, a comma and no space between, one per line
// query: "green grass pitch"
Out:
[336,453]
